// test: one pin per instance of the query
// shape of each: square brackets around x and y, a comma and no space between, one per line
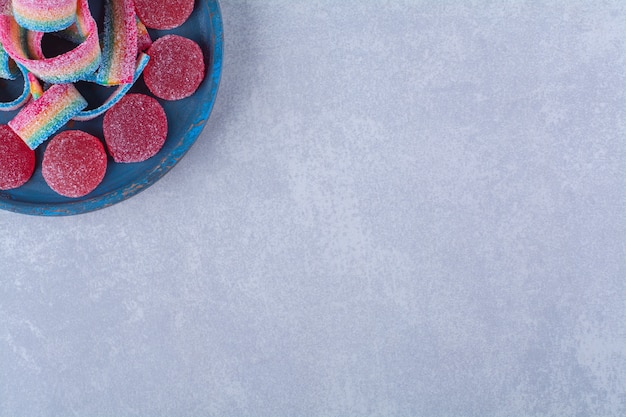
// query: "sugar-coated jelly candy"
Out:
[135,128]
[163,14]
[74,163]
[17,161]
[176,67]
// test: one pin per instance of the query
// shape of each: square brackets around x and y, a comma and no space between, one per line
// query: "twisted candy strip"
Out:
[9,71]
[117,95]
[71,66]
[23,98]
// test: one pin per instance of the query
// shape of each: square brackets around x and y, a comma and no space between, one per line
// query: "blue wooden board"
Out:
[186,119]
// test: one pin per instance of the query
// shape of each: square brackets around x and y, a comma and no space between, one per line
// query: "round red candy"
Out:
[163,14]
[74,163]
[17,160]
[175,69]
[135,128]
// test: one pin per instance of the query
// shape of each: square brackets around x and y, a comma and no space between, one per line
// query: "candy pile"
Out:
[117,54]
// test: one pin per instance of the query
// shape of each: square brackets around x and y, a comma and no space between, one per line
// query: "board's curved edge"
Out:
[97,203]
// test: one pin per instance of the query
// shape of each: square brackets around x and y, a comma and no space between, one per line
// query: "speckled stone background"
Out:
[397,208]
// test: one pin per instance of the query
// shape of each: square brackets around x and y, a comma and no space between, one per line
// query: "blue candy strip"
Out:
[120,91]
[23,98]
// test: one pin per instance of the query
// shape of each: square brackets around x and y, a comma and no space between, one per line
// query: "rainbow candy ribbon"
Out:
[69,67]
[119,49]
[39,119]
[117,95]
[23,98]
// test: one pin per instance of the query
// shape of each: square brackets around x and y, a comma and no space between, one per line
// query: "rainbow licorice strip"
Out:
[71,66]
[41,118]
[78,31]
[44,15]
[119,92]
[23,98]
[119,51]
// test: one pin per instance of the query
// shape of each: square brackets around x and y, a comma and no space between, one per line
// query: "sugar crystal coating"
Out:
[135,128]
[74,163]
[44,15]
[163,14]
[17,161]
[176,67]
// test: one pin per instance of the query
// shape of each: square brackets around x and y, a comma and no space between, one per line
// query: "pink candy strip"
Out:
[78,31]
[33,43]
[39,119]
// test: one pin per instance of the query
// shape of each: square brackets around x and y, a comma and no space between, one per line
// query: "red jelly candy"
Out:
[175,69]
[74,163]
[163,14]
[135,128]
[17,160]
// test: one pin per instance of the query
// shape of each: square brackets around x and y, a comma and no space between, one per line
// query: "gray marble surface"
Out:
[397,208]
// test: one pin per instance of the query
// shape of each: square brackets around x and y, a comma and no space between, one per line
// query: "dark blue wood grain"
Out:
[186,119]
